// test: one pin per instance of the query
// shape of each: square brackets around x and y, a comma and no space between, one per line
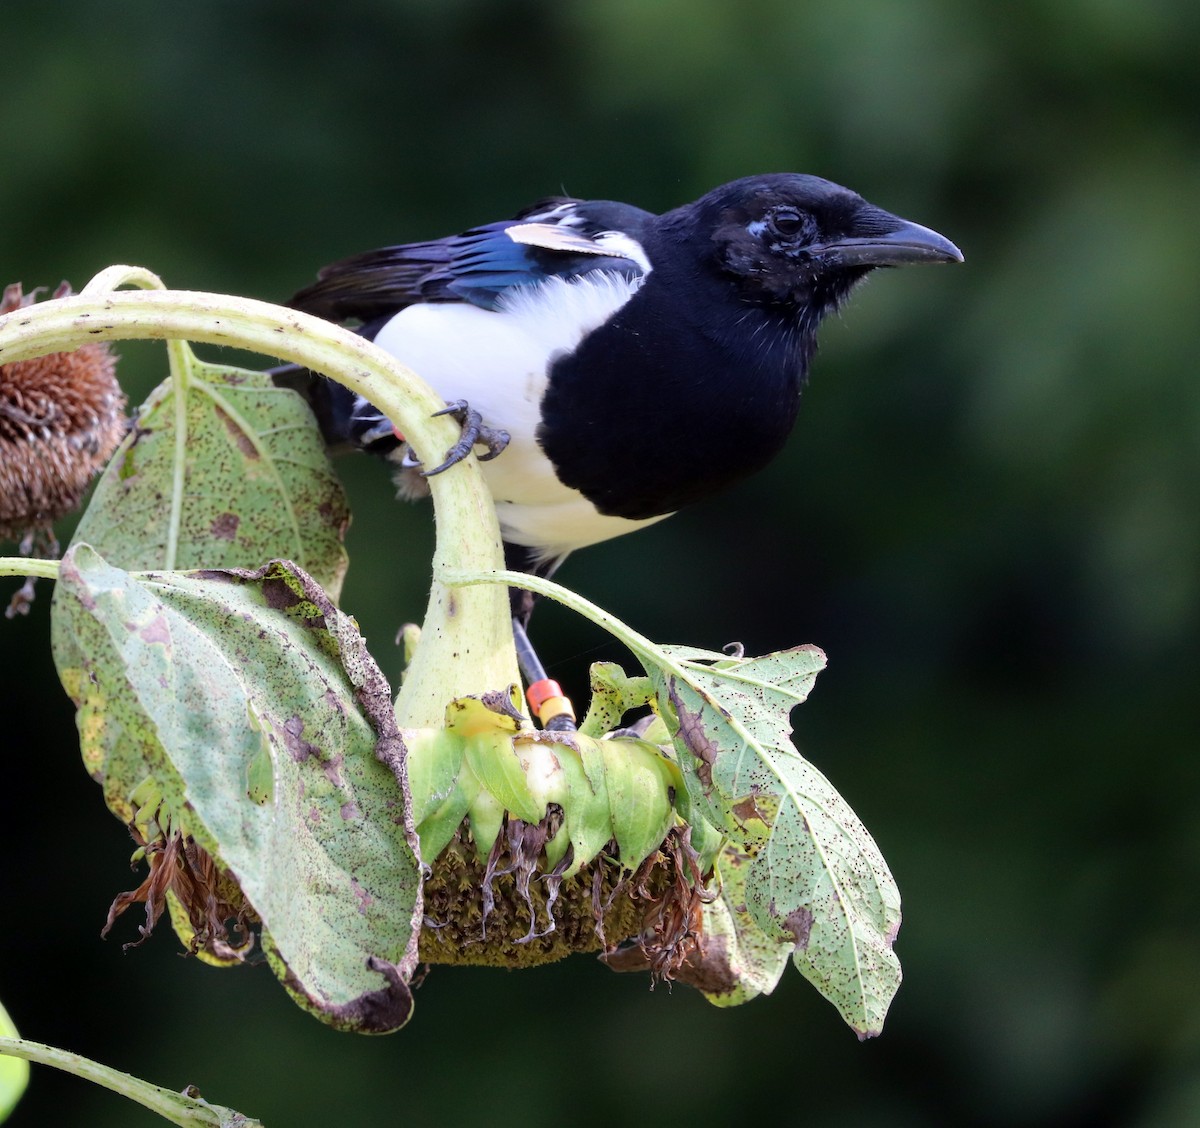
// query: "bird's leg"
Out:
[546,698]
[474,431]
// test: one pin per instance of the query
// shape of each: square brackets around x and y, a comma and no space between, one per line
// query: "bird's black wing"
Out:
[556,238]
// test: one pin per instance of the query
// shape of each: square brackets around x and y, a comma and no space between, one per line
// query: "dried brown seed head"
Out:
[61,417]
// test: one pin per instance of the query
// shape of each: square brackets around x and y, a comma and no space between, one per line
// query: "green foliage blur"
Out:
[989,517]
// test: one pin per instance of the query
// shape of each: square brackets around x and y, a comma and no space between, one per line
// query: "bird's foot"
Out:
[637,730]
[474,433]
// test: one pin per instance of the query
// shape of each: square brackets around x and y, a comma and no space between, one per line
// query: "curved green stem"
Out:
[639,644]
[114,277]
[179,1108]
[466,643]
[182,360]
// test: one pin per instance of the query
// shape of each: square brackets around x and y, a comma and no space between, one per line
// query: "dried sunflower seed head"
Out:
[61,417]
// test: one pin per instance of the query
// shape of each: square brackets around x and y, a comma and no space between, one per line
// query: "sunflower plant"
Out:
[285,800]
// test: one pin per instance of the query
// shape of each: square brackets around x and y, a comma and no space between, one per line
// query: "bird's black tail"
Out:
[347,421]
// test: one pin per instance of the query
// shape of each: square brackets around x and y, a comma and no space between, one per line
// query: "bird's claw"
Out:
[635,731]
[474,432]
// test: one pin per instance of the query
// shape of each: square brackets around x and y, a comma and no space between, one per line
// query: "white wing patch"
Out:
[553,237]
[497,361]
[560,237]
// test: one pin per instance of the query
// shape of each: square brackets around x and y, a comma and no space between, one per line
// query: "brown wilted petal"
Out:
[671,939]
[210,899]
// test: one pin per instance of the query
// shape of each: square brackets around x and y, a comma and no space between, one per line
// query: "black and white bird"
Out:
[635,362]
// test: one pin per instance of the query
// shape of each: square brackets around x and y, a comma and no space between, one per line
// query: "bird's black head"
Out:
[800,241]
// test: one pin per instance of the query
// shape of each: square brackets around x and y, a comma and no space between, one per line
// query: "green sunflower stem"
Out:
[28,566]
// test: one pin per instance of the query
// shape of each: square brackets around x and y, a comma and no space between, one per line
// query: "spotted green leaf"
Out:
[815,877]
[221,469]
[251,704]
[742,960]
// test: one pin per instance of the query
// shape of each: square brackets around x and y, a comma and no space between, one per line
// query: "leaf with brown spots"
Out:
[809,878]
[234,476]
[740,961]
[216,688]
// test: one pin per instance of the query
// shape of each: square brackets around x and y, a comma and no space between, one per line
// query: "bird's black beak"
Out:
[908,242]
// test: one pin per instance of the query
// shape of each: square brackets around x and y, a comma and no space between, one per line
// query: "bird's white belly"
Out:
[498,362]
[556,530]
[466,353]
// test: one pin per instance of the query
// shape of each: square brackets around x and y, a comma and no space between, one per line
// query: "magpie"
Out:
[630,363]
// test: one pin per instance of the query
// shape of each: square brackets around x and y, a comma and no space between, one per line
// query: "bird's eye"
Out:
[787,222]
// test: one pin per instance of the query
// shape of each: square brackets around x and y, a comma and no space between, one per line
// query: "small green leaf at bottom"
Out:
[14,1071]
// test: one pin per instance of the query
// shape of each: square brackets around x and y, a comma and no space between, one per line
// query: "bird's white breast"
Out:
[498,361]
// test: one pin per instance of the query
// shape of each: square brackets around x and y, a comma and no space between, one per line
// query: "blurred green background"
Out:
[988,517]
